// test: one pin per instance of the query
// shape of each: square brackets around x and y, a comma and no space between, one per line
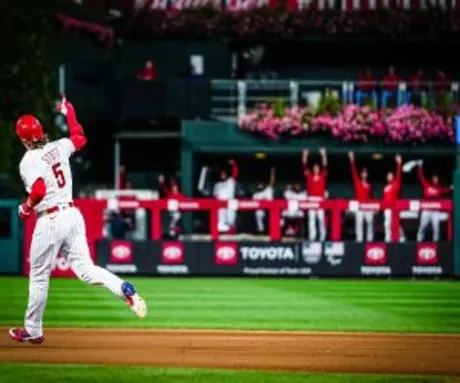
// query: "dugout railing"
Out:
[158,256]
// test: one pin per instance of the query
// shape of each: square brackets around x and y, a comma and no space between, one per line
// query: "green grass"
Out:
[332,305]
[34,373]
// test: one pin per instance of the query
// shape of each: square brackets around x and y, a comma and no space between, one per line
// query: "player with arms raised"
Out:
[45,171]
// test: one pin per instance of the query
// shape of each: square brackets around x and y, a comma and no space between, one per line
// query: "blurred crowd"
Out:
[391,87]
[283,19]
[390,23]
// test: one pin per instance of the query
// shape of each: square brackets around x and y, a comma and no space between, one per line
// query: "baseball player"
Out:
[293,216]
[172,192]
[363,192]
[60,227]
[224,190]
[264,193]
[390,195]
[431,190]
[316,189]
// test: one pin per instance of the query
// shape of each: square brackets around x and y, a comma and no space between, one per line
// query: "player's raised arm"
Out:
[235,169]
[305,160]
[421,175]
[398,160]
[354,172]
[77,135]
[163,185]
[323,153]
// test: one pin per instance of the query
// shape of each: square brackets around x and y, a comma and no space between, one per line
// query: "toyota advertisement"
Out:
[376,260]
[122,257]
[284,259]
[172,259]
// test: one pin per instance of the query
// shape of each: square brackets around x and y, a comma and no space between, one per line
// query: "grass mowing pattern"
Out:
[268,304]
[92,374]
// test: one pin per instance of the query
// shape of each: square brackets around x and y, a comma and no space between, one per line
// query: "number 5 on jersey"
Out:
[59,175]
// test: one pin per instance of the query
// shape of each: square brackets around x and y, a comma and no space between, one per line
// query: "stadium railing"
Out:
[93,211]
[232,98]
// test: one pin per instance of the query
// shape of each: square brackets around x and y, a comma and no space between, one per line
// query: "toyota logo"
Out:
[121,252]
[427,253]
[172,252]
[226,252]
[375,254]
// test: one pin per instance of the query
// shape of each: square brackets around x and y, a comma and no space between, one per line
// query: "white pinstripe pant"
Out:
[62,231]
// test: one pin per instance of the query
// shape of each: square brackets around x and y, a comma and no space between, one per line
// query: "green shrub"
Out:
[329,103]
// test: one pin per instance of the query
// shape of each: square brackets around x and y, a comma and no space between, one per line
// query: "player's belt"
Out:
[54,209]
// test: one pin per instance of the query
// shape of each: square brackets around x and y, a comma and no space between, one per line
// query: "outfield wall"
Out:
[286,259]
[295,258]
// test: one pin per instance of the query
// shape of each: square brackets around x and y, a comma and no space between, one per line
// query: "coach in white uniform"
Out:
[224,190]
[264,193]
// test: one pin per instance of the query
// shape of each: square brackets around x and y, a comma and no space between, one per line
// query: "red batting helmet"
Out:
[28,128]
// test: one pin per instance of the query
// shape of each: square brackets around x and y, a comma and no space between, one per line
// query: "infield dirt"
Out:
[289,351]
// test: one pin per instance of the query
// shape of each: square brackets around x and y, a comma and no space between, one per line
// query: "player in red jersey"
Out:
[363,193]
[390,195]
[431,190]
[316,189]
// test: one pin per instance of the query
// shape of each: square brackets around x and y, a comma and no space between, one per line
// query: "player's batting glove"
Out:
[24,211]
[62,107]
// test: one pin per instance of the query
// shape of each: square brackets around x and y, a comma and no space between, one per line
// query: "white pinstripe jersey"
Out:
[52,164]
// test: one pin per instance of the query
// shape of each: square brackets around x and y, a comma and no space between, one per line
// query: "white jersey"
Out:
[264,194]
[225,190]
[52,164]
[293,211]
[292,195]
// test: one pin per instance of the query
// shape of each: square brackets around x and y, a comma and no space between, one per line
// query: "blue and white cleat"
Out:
[134,300]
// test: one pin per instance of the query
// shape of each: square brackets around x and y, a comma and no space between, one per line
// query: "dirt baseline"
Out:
[294,351]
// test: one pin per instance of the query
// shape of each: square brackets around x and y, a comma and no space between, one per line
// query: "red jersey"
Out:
[443,82]
[169,193]
[363,189]
[366,83]
[431,191]
[391,82]
[415,81]
[391,190]
[316,184]
[147,74]
[121,179]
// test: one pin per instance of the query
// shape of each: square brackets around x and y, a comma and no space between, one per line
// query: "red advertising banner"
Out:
[226,253]
[172,253]
[121,252]
[375,254]
[427,254]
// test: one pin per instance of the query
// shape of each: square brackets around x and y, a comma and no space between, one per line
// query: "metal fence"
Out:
[233,98]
